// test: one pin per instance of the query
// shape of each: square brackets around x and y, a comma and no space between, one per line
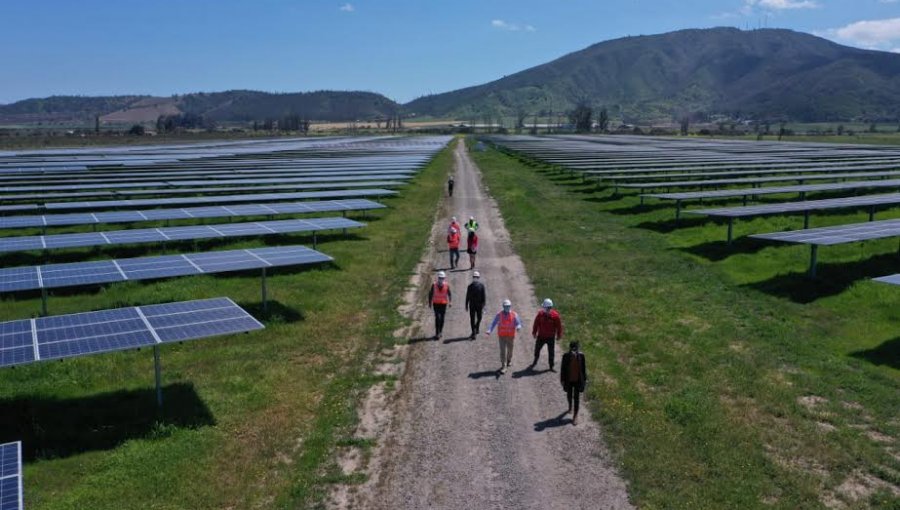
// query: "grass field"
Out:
[250,421]
[723,377]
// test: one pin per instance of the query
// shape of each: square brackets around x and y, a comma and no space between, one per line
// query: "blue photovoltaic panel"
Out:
[11,476]
[219,211]
[81,334]
[145,268]
[893,279]
[159,235]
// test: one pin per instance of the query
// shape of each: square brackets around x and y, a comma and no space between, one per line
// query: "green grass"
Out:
[723,378]
[249,421]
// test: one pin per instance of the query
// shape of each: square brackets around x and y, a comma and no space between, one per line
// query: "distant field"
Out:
[724,378]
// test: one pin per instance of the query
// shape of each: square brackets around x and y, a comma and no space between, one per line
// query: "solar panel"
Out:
[11,476]
[81,334]
[144,268]
[809,205]
[231,211]
[159,235]
[770,190]
[110,204]
[893,279]
[840,234]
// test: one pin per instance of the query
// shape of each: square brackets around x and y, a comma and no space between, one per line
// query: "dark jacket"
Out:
[564,370]
[475,297]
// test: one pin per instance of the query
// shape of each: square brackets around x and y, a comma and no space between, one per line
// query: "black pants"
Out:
[573,393]
[454,257]
[450,189]
[439,312]
[551,349]
[475,313]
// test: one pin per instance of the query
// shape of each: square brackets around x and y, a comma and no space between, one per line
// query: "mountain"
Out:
[229,106]
[768,73]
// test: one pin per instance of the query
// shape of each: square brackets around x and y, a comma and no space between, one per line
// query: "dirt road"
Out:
[461,436]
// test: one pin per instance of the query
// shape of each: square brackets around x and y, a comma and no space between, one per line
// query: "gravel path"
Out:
[460,435]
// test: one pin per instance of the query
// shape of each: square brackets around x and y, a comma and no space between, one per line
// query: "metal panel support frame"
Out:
[813,259]
[730,230]
[265,302]
[157,371]
[43,301]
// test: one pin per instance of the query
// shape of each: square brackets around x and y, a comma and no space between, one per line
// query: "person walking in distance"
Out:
[546,330]
[573,376]
[450,186]
[453,244]
[471,225]
[475,301]
[472,247]
[507,323]
[454,224]
[440,298]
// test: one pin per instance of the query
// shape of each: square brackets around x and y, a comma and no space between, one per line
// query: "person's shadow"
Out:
[485,373]
[557,421]
[529,372]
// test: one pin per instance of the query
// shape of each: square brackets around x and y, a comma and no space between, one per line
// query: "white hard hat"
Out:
[442,274]
[547,303]
[453,218]
[507,302]
[476,274]
[472,218]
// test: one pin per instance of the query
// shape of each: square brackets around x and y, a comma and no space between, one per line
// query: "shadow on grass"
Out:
[640,209]
[831,279]
[887,354]
[53,427]
[556,421]
[668,226]
[606,199]
[276,311]
[721,250]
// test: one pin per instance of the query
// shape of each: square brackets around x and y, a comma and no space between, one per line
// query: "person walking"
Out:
[573,376]
[475,301]
[546,330]
[472,247]
[507,323]
[471,225]
[440,297]
[450,185]
[454,224]
[453,245]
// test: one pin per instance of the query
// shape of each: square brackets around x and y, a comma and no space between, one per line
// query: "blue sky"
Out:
[401,48]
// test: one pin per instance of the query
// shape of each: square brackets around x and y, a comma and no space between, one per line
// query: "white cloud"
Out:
[348,8]
[511,27]
[779,5]
[888,1]
[878,33]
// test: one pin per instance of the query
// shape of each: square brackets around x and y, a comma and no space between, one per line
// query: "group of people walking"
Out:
[546,330]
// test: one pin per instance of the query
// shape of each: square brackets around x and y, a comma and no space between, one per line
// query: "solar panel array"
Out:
[188,213]
[11,474]
[81,334]
[75,274]
[893,279]
[840,234]
[161,235]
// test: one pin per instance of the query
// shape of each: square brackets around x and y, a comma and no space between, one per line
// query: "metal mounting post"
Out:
[813,254]
[872,213]
[157,369]
[43,302]
[730,230]
[315,240]
[805,220]
[265,303]
[677,210]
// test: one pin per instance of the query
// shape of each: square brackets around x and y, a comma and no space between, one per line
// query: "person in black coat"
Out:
[475,301]
[573,376]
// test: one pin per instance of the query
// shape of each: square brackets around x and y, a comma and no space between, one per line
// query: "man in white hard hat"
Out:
[507,324]
[439,297]
[547,329]
[475,301]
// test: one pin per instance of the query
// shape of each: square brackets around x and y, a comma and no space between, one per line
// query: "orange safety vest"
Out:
[507,326]
[453,240]
[440,295]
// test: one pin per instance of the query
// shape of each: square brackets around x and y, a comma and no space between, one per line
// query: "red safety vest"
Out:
[453,240]
[507,326]
[440,295]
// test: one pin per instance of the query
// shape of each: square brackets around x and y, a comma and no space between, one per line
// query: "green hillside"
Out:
[229,106]
[760,73]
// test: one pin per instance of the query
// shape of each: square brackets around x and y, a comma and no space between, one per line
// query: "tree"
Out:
[873,128]
[580,117]
[520,118]
[96,124]
[840,129]
[137,130]
[603,120]
[685,125]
